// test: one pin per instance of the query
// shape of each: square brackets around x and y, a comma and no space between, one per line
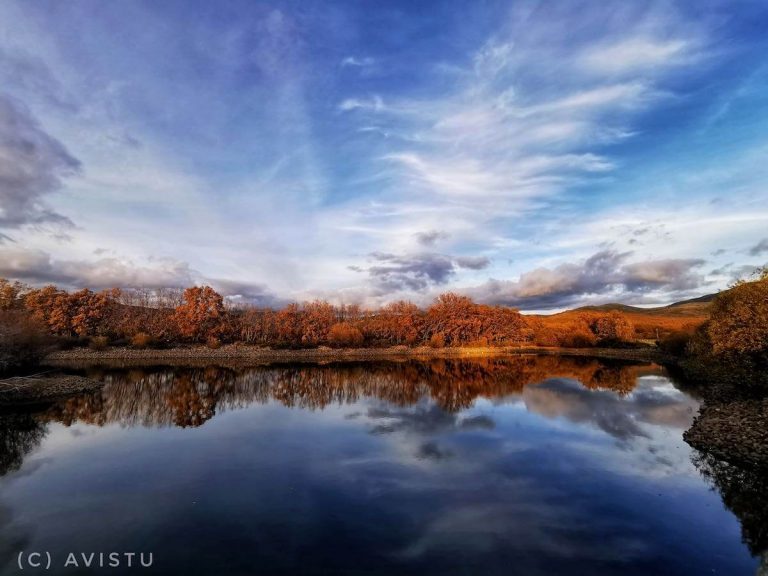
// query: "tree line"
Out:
[200,315]
[731,348]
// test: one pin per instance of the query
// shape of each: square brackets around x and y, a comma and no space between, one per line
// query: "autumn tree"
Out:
[257,325]
[202,315]
[88,310]
[316,319]
[288,325]
[612,327]
[461,321]
[396,323]
[11,294]
[344,334]
[739,318]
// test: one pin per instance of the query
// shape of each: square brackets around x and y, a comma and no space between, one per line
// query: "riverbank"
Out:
[20,390]
[245,354]
[736,432]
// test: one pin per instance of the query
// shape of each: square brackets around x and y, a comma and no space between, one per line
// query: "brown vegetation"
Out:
[199,315]
[650,325]
[729,352]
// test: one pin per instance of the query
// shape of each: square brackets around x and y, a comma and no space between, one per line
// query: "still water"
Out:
[532,465]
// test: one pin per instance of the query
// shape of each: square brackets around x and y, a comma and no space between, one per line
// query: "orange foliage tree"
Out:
[612,327]
[80,313]
[202,315]
[462,322]
[316,319]
[396,323]
[739,319]
[11,294]
[345,334]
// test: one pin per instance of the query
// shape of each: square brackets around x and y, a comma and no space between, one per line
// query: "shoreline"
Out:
[244,354]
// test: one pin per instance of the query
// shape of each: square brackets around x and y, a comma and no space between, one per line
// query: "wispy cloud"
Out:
[355,62]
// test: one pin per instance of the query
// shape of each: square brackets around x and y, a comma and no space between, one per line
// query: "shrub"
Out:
[739,320]
[98,342]
[437,340]
[676,343]
[141,340]
[213,343]
[613,328]
[576,335]
[344,334]
[23,341]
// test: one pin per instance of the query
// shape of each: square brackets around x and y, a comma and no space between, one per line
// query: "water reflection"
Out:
[745,493]
[189,397]
[541,464]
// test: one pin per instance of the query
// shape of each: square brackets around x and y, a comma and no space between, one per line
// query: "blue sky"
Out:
[539,155]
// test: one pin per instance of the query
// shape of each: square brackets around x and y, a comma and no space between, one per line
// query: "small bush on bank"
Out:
[345,335]
[675,343]
[437,340]
[98,343]
[213,343]
[23,342]
[141,340]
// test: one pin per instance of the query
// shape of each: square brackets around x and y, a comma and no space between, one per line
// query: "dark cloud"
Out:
[473,262]
[32,164]
[421,420]
[719,252]
[477,423]
[741,272]
[430,238]
[603,273]
[759,248]
[38,267]
[392,272]
[246,292]
[432,451]
[723,270]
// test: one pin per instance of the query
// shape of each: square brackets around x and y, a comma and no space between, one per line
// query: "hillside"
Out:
[696,307]
[650,323]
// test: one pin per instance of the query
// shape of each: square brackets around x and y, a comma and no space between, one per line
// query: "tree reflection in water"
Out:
[20,434]
[188,397]
[745,493]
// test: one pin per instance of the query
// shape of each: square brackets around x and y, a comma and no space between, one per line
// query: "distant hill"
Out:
[650,323]
[693,307]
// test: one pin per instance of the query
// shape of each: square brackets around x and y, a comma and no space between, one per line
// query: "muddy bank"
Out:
[254,355]
[43,388]
[735,432]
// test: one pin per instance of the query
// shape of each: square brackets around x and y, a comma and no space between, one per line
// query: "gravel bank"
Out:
[736,432]
[246,354]
[32,389]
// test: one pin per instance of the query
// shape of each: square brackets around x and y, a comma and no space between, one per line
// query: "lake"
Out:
[527,465]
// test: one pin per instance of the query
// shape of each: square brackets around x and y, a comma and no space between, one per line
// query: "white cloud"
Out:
[636,54]
[374,103]
[352,61]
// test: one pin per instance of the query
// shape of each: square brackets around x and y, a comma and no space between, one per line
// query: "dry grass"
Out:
[648,325]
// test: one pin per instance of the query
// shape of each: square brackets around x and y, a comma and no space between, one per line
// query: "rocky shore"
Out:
[736,432]
[256,355]
[41,388]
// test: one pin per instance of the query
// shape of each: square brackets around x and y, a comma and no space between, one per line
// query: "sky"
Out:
[540,155]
